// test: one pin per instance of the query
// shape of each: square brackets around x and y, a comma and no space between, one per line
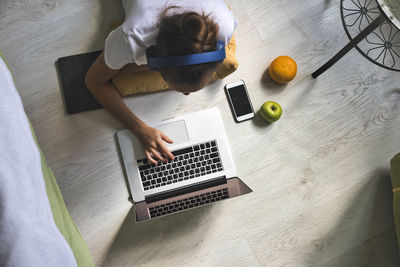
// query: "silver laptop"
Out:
[201,173]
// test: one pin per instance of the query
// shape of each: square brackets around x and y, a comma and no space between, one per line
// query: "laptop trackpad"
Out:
[176,131]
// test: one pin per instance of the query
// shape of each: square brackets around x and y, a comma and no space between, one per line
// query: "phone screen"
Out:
[240,100]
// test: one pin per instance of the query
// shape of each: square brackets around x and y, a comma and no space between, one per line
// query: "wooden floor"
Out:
[320,175]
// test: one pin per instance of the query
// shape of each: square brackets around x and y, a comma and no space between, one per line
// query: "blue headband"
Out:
[176,61]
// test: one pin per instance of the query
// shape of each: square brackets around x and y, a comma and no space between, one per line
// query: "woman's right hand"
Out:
[98,81]
[153,144]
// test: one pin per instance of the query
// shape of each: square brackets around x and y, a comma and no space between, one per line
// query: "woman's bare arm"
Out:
[98,82]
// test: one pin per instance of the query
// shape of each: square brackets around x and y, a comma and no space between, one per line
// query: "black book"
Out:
[72,71]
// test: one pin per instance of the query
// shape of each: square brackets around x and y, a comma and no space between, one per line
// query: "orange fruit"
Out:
[283,69]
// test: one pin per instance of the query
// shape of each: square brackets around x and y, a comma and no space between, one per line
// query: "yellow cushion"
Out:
[128,83]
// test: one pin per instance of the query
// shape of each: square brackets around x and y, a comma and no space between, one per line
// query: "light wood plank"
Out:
[320,174]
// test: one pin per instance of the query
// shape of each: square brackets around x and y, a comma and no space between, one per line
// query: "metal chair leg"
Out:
[364,33]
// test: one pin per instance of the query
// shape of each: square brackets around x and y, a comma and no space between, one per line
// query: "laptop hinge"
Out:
[187,189]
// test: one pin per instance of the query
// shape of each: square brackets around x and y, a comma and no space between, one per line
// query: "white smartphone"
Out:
[239,101]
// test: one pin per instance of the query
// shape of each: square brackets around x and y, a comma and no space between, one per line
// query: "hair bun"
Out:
[189,31]
[183,34]
[200,30]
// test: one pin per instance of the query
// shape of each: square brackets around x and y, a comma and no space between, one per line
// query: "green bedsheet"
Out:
[395,176]
[61,215]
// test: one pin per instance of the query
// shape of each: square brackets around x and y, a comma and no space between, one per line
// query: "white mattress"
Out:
[28,233]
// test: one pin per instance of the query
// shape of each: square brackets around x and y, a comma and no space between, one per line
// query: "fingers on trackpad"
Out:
[177,131]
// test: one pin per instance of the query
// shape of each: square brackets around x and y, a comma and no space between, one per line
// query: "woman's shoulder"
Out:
[141,16]
[223,16]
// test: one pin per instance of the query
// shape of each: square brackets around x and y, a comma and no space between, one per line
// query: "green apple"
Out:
[271,111]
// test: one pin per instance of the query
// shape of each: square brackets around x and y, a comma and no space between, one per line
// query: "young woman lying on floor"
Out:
[174,28]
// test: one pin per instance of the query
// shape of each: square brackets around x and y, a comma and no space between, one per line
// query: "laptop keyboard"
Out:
[190,162]
[188,203]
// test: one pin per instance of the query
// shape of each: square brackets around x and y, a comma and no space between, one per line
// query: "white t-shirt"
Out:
[128,43]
